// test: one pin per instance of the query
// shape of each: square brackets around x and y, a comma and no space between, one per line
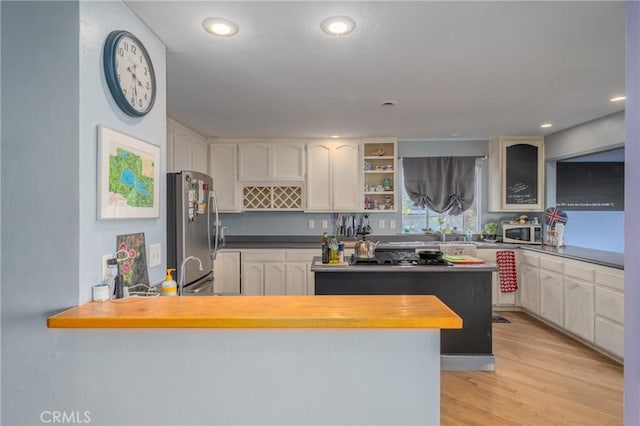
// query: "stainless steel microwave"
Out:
[521,233]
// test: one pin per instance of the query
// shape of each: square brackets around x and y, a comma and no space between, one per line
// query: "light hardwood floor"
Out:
[542,378]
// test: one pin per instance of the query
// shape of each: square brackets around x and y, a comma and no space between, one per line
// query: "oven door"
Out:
[202,287]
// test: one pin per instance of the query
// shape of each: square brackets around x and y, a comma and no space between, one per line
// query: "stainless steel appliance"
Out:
[521,233]
[192,229]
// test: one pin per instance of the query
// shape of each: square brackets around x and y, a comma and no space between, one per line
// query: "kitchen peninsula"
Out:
[464,288]
[293,359]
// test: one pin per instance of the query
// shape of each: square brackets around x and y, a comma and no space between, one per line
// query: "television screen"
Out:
[594,186]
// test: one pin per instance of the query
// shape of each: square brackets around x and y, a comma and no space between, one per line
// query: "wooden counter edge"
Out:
[185,314]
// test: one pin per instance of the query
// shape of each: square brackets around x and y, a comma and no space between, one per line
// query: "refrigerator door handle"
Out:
[212,196]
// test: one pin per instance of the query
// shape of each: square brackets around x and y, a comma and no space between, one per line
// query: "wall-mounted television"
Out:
[590,185]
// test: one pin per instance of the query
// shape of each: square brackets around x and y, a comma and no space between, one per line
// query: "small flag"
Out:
[553,215]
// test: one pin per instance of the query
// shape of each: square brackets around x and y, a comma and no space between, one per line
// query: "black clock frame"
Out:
[111,74]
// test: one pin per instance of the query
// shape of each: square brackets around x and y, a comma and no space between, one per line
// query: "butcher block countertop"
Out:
[400,311]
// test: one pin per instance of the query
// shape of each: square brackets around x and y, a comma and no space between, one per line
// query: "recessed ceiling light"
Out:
[618,98]
[338,25]
[220,27]
[335,136]
[545,125]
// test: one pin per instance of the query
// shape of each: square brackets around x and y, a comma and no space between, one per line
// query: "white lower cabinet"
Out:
[226,272]
[579,306]
[530,287]
[609,310]
[277,272]
[297,274]
[551,296]
[274,283]
[499,299]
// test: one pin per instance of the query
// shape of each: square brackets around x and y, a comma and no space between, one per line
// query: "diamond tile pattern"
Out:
[272,197]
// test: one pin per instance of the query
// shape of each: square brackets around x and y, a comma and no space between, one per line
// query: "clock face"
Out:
[129,73]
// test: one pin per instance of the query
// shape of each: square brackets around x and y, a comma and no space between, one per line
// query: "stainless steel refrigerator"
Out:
[192,230]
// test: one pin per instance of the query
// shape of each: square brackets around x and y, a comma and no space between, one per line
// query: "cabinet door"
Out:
[223,168]
[579,307]
[254,162]
[274,279]
[319,191]
[529,280]
[182,149]
[199,157]
[253,278]
[287,162]
[226,272]
[347,186]
[610,336]
[296,278]
[551,300]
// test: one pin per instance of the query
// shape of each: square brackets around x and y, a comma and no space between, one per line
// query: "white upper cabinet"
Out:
[271,161]
[254,162]
[287,162]
[334,176]
[186,149]
[223,167]
[516,173]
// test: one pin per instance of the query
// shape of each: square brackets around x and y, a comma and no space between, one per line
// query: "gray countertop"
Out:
[318,266]
[600,257]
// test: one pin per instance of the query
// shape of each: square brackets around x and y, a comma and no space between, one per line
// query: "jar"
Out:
[386,183]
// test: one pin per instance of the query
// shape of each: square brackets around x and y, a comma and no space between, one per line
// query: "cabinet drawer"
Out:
[263,256]
[302,255]
[579,270]
[610,278]
[529,259]
[610,337]
[551,263]
[610,304]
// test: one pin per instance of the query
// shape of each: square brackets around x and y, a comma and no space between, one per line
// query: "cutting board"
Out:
[462,259]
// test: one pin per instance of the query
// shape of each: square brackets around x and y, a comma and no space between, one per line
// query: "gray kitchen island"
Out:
[466,289]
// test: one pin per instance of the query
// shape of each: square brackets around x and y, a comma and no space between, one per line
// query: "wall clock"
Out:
[129,73]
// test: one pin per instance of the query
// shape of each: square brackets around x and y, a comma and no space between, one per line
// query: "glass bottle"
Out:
[333,249]
[325,248]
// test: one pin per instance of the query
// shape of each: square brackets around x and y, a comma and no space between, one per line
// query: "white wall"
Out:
[97,238]
[632,224]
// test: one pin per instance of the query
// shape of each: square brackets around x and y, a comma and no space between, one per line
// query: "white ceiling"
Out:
[476,69]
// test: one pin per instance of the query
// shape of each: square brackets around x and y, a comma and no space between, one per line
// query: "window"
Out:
[416,220]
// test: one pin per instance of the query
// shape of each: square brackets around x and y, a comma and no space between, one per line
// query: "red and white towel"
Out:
[506,260]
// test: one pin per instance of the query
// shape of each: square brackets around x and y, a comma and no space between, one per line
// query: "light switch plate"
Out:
[325,224]
[392,224]
[105,257]
[381,224]
[155,255]
[312,224]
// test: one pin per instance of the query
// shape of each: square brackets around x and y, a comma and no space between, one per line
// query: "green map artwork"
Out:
[131,176]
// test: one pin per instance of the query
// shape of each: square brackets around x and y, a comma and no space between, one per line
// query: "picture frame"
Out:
[128,176]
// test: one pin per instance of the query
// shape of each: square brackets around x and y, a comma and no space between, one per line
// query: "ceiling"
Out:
[475,70]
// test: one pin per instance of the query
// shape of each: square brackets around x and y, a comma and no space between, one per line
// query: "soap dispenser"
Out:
[169,286]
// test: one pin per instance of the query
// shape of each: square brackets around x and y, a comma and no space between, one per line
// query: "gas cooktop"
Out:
[399,258]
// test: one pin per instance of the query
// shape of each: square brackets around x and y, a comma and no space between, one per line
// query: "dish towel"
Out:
[506,260]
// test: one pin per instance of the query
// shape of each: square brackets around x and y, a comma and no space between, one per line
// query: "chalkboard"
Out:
[593,186]
[521,174]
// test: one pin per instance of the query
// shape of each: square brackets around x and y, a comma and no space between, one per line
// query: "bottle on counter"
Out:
[325,248]
[169,287]
[333,249]
[340,252]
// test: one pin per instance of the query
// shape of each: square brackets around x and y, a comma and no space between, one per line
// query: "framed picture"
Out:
[134,267]
[128,176]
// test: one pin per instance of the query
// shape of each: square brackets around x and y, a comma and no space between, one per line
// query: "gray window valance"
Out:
[443,184]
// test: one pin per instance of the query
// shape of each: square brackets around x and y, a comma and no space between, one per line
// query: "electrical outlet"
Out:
[381,224]
[155,255]
[312,224]
[105,257]
[392,224]
[325,224]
